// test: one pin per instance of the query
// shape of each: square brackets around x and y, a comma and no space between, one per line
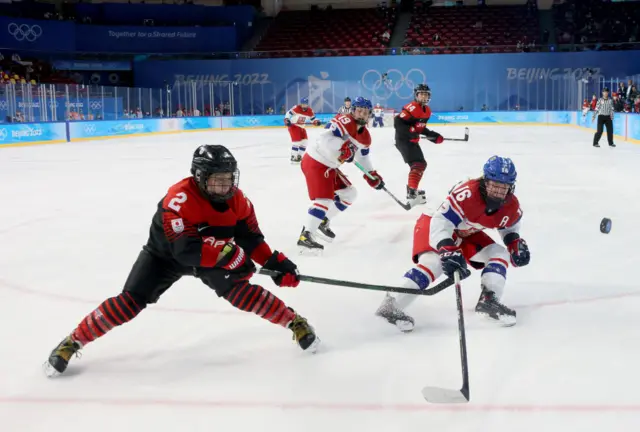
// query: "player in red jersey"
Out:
[204,227]
[454,236]
[345,140]
[295,120]
[409,125]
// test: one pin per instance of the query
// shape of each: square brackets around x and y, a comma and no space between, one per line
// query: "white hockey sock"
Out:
[316,214]
[341,201]
[494,276]
[302,147]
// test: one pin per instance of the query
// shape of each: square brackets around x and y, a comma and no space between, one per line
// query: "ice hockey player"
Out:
[295,120]
[586,107]
[204,227]
[346,108]
[409,125]
[378,116]
[454,236]
[331,193]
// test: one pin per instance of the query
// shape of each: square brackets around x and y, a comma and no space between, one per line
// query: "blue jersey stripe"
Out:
[452,216]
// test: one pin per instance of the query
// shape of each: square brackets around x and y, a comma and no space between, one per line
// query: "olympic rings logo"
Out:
[3,105]
[395,83]
[22,32]
[95,105]
[253,121]
[90,129]
[3,134]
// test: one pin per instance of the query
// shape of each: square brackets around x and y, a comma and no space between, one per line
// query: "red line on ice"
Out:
[322,406]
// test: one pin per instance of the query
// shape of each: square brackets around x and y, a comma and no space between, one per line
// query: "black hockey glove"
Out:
[288,272]
[519,251]
[452,260]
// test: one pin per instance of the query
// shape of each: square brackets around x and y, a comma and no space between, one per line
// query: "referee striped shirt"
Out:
[604,107]
[344,110]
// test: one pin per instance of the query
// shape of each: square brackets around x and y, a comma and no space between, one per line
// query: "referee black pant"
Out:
[604,120]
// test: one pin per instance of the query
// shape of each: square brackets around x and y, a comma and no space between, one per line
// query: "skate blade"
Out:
[304,251]
[313,348]
[503,320]
[324,237]
[49,370]
[405,326]
[417,202]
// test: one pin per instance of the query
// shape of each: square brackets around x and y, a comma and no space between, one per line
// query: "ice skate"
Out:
[60,356]
[304,334]
[491,308]
[416,196]
[389,311]
[325,232]
[307,245]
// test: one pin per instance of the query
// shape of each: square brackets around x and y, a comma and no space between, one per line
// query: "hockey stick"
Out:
[349,284]
[441,395]
[466,136]
[405,206]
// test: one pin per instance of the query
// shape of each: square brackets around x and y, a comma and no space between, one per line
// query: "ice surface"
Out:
[74,217]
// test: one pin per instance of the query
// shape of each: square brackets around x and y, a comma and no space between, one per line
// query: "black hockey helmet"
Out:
[422,88]
[605,89]
[212,159]
[347,99]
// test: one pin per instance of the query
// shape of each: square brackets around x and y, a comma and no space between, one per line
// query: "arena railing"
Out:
[74,102]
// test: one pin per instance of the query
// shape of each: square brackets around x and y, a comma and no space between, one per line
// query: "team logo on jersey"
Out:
[177,225]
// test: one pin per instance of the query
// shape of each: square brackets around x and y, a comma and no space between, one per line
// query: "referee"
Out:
[604,111]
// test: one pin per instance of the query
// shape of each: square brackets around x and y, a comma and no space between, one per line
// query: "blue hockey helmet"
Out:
[498,182]
[304,101]
[361,102]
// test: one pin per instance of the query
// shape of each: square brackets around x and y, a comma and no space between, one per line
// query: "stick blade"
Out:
[441,395]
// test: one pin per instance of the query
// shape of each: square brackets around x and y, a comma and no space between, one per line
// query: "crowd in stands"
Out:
[468,30]
[592,23]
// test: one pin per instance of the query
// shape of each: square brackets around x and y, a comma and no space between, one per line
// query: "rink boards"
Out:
[626,126]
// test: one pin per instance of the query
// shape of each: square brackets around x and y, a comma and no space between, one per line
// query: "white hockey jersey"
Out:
[342,131]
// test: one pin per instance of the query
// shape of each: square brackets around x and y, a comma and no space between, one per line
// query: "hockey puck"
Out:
[605,226]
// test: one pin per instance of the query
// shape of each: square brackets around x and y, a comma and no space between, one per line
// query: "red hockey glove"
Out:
[432,136]
[317,122]
[519,251]
[287,122]
[347,153]
[376,182]
[235,262]
[288,275]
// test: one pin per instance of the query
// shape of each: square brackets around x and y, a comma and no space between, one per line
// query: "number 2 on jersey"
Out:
[175,202]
